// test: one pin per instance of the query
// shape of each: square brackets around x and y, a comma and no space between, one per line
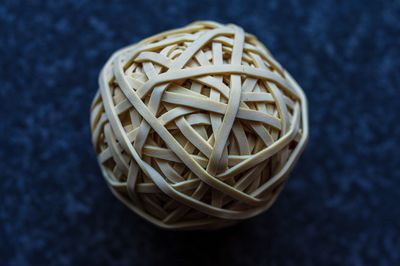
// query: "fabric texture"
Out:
[340,205]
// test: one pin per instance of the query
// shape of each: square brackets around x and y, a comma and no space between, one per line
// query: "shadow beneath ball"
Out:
[240,244]
[120,236]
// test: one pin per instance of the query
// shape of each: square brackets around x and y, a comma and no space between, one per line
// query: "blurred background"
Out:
[341,205]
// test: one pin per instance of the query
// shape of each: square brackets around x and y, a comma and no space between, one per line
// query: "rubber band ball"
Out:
[197,127]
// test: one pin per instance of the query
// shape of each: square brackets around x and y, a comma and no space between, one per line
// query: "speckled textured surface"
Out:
[340,206]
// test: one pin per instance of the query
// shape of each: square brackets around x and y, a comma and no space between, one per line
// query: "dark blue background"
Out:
[341,205]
